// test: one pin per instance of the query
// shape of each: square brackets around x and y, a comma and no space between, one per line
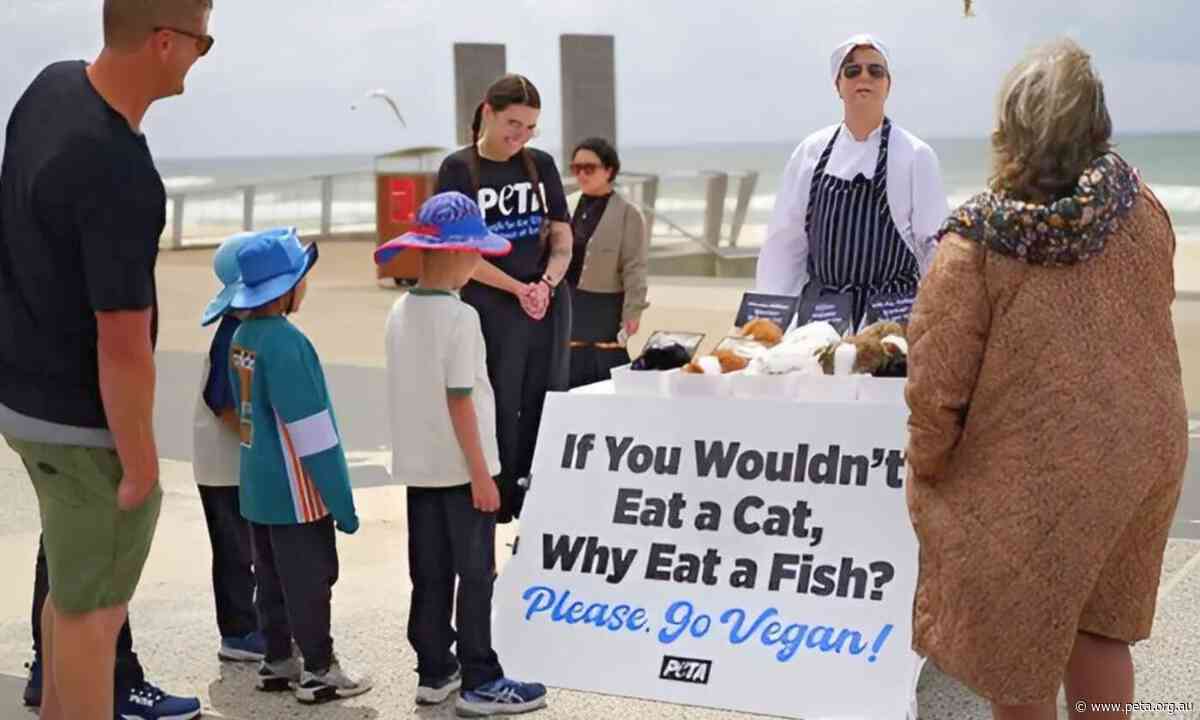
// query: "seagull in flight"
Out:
[383,95]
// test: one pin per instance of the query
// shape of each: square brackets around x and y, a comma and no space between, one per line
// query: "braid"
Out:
[473,164]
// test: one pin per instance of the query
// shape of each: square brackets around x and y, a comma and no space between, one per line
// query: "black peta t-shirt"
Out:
[510,205]
[82,209]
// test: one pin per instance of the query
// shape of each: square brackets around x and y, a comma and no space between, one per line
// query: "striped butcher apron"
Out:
[854,246]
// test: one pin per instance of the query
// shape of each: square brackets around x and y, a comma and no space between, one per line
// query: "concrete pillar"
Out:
[476,66]
[589,89]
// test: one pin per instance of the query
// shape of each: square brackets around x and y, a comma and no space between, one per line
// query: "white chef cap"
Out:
[841,51]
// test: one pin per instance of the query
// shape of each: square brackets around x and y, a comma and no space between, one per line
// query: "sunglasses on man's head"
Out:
[875,70]
[586,168]
[204,43]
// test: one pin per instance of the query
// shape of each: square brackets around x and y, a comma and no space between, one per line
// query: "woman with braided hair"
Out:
[526,321]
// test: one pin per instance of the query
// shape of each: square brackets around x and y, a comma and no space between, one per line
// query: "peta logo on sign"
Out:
[688,670]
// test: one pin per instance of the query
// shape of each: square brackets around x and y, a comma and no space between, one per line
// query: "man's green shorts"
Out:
[94,551]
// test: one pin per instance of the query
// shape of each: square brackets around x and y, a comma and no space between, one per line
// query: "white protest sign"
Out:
[751,555]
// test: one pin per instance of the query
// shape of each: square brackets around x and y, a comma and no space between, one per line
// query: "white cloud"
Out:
[283,74]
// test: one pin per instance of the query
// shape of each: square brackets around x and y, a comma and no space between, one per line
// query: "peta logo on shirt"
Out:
[515,198]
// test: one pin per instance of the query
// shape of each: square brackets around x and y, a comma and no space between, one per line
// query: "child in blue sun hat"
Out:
[443,426]
[448,221]
[295,488]
[217,465]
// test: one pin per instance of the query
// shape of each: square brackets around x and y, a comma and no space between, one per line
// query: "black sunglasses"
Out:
[204,43]
[875,70]
[585,168]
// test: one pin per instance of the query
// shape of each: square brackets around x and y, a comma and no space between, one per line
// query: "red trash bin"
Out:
[403,180]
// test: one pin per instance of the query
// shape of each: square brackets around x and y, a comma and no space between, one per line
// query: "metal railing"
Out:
[327,205]
[723,217]
[701,211]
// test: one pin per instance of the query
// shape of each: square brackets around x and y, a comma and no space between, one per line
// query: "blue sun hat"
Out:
[272,263]
[447,221]
[225,265]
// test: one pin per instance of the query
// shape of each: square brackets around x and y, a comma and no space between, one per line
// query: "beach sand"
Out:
[346,307]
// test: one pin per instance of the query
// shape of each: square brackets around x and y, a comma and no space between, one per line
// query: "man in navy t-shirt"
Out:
[82,209]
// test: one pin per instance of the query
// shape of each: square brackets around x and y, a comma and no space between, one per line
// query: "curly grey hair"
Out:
[1052,122]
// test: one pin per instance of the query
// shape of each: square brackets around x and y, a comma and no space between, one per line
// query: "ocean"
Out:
[1170,163]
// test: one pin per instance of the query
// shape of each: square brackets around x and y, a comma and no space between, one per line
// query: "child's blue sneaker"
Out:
[501,697]
[248,648]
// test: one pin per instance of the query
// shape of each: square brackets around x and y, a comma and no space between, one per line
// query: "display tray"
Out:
[790,386]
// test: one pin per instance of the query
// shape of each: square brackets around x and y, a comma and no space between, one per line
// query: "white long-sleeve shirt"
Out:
[916,196]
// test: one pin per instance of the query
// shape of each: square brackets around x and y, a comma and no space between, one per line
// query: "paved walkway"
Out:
[172,615]
[175,636]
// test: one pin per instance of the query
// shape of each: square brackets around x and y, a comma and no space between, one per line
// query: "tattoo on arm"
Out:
[561,244]
[561,241]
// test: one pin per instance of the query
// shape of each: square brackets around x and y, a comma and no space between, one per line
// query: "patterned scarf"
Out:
[1066,232]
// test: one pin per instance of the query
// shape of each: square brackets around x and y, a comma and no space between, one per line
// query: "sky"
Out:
[284,74]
